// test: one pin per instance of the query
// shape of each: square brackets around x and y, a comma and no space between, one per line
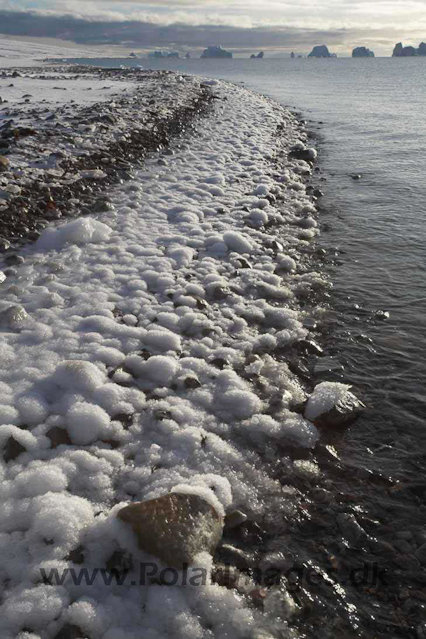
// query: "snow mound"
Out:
[80,231]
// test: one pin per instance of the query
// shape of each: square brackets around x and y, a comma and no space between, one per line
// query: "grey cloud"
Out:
[145,35]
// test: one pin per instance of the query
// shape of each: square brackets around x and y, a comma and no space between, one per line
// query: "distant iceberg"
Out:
[163,54]
[216,52]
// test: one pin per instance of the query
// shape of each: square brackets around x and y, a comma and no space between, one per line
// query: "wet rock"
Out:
[277,561]
[407,562]
[402,546]
[323,413]
[407,535]
[382,315]
[58,436]
[70,632]
[318,193]
[225,576]
[307,154]
[234,519]
[232,556]
[175,527]
[309,346]
[12,449]
[327,365]
[421,554]
[356,176]
[420,538]
[350,529]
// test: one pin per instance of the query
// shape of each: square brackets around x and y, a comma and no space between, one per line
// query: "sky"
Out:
[276,26]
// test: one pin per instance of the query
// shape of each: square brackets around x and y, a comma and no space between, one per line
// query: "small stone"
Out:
[235,519]
[192,383]
[70,632]
[175,527]
[12,449]
[420,538]
[13,260]
[58,436]
[232,556]
[407,562]
[407,535]
[350,529]
[120,561]
[402,546]
[219,363]
[162,414]
[4,163]
[244,263]
[344,412]
[421,554]
[318,193]
[309,346]
[382,315]
[13,317]
[277,561]
[76,555]
[356,176]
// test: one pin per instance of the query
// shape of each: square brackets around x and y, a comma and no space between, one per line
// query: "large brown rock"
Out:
[175,527]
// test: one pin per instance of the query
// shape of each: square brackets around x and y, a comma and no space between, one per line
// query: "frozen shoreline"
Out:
[152,335]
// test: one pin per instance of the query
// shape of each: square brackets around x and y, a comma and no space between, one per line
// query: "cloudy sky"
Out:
[277,26]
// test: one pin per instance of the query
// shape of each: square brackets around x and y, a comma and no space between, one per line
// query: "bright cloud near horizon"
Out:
[240,24]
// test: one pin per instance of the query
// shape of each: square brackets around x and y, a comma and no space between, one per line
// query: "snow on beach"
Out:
[137,357]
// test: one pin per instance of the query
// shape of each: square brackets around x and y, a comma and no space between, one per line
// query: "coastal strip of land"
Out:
[159,333]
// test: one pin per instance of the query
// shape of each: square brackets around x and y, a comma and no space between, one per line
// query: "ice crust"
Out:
[129,313]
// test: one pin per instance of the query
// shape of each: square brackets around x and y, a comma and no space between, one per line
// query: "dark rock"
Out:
[58,436]
[343,413]
[320,51]
[192,383]
[407,562]
[402,546]
[350,529]
[76,555]
[309,346]
[70,632]
[12,449]
[219,362]
[421,554]
[120,561]
[162,414]
[362,52]
[175,527]
[232,556]
[234,519]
